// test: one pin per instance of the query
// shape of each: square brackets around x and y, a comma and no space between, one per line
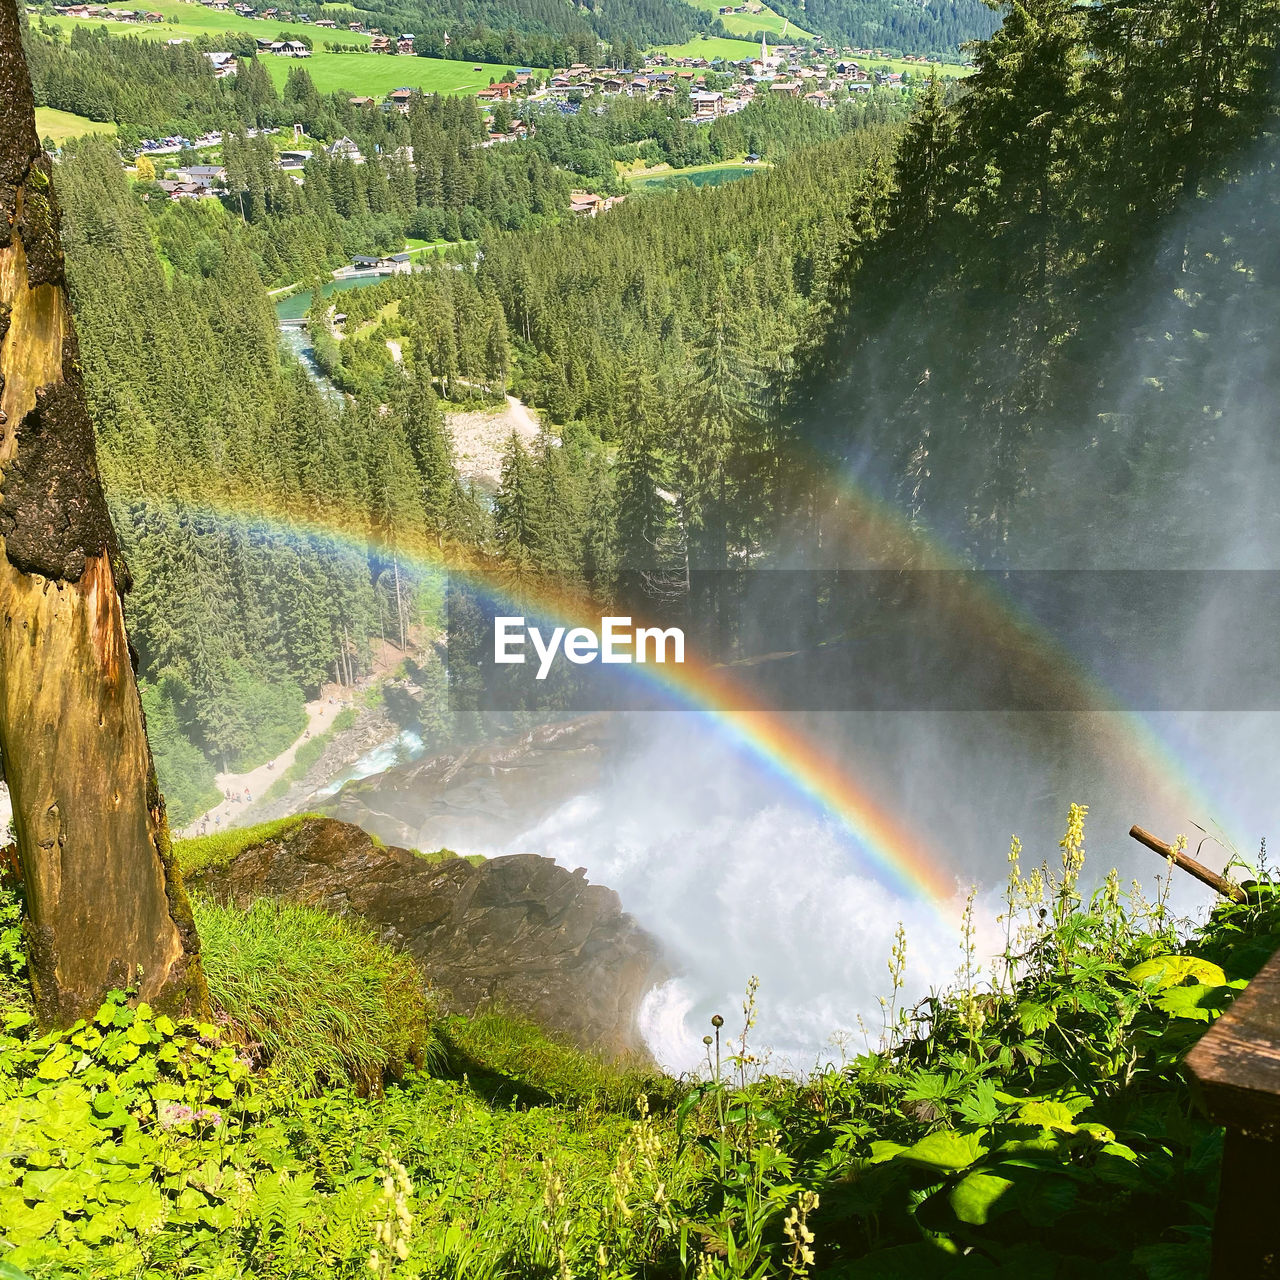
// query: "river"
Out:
[294,306]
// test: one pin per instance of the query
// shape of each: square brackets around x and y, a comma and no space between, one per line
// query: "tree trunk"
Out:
[105,902]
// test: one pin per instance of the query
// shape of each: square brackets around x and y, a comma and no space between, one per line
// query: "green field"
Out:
[711,47]
[375,75]
[921,69]
[61,125]
[195,20]
[736,50]
[747,24]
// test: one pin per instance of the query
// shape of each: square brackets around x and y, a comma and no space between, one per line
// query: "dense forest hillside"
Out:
[1064,290]
[940,26]
[197,415]
[926,316]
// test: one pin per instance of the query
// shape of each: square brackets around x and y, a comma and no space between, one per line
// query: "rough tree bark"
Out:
[105,902]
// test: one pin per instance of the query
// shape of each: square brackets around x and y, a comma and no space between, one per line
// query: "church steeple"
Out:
[764,48]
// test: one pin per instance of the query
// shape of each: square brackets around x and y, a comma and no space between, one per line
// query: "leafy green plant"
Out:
[1029,1126]
[15,995]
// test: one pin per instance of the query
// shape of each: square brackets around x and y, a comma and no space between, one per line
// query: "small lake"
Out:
[294,307]
[705,178]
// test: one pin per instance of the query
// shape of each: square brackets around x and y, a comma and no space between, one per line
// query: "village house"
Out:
[345,149]
[206,176]
[384,265]
[587,204]
[290,49]
[327,23]
[404,44]
[497,92]
[380,44]
[707,106]
[293,159]
[182,190]
[400,98]
[785,88]
[362,102]
[224,64]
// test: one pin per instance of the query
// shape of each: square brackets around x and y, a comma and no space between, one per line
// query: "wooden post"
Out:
[104,898]
[1219,884]
[1234,1074]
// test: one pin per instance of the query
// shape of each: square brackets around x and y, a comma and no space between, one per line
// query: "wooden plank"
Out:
[1235,1069]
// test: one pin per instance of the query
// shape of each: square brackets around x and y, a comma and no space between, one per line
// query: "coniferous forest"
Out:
[1025,312]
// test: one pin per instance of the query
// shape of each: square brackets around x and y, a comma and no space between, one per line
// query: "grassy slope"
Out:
[712,47]
[737,50]
[196,20]
[61,125]
[210,853]
[375,76]
[746,24]
[265,965]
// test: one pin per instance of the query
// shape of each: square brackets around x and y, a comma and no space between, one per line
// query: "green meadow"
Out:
[711,47]
[374,76]
[191,20]
[61,125]
[747,24]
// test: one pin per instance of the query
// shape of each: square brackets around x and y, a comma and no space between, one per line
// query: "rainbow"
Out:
[874,534]
[898,856]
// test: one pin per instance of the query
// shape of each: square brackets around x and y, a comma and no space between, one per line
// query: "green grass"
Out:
[61,125]
[747,24]
[921,69]
[437,856]
[375,75]
[710,47]
[220,850]
[507,1057]
[195,20]
[265,967]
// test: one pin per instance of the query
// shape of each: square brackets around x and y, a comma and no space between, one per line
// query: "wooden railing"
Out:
[1235,1075]
[1234,1072]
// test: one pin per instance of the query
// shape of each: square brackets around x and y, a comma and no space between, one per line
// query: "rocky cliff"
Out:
[483,795]
[518,931]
